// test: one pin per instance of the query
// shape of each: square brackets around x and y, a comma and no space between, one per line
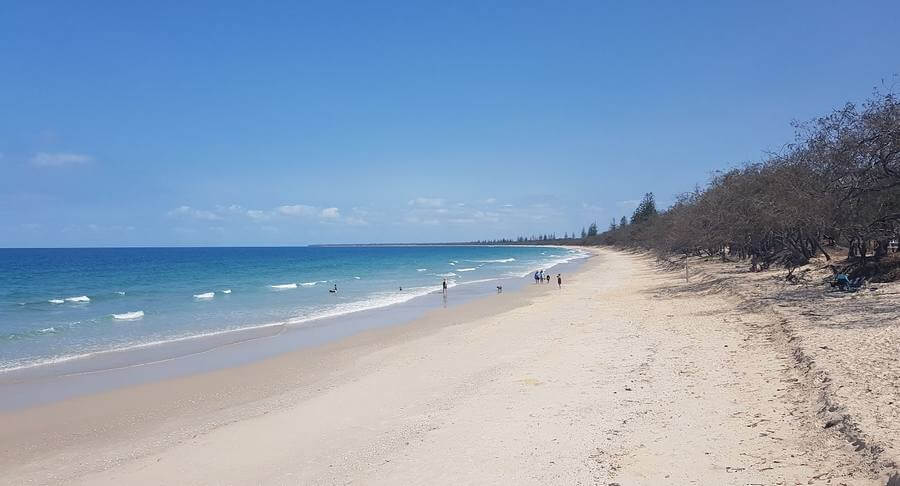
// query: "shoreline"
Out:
[636,379]
[241,391]
[26,385]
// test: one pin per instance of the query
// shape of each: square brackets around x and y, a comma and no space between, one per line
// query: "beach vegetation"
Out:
[835,189]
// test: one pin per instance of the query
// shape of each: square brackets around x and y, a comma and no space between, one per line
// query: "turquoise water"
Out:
[57,304]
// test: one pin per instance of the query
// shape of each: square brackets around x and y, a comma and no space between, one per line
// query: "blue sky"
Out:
[220,123]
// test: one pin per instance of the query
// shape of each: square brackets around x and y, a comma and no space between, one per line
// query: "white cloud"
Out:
[97,228]
[257,214]
[354,221]
[427,202]
[296,210]
[432,211]
[628,203]
[273,216]
[202,214]
[330,213]
[59,159]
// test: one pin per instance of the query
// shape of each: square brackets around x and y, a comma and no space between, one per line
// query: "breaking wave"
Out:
[283,286]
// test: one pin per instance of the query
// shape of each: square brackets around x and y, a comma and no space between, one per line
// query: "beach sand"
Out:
[626,375]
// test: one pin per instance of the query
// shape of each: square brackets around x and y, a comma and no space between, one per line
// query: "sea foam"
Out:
[307,284]
[226,291]
[283,286]
[129,316]
[205,296]
[466,269]
[82,298]
[501,260]
[56,301]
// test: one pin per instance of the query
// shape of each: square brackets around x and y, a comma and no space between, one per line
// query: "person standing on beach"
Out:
[536,277]
[444,285]
[559,280]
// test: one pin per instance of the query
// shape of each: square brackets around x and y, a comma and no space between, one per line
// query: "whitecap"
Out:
[453,263]
[356,278]
[421,269]
[308,284]
[451,274]
[501,260]
[56,301]
[47,330]
[465,269]
[226,291]
[205,296]
[82,298]
[129,316]
[121,292]
[283,286]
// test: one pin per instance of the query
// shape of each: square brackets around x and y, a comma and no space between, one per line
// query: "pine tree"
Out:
[645,211]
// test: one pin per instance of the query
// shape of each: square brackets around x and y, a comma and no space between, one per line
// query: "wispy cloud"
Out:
[435,211]
[426,202]
[330,213]
[59,159]
[281,213]
[296,210]
[189,212]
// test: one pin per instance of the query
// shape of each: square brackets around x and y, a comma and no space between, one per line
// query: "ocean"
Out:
[61,304]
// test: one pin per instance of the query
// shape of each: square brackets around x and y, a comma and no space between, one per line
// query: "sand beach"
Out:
[625,375]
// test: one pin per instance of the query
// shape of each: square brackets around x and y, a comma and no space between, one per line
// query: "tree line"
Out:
[836,185]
